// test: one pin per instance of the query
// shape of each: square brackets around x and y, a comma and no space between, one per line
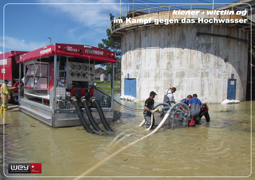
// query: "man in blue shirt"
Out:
[186,100]
[195,106]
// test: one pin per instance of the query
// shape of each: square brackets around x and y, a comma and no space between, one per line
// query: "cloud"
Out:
[79,35]
[17,44]
[92,13]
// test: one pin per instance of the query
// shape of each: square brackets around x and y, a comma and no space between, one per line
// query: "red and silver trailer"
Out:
[60,77]
[9,71]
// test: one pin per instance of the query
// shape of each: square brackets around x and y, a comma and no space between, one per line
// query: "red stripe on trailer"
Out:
[71,50]
[37,54]
[93,58]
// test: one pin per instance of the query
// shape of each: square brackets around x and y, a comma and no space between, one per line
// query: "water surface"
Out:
[220,148]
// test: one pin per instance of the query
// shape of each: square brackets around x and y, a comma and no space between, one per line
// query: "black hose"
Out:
[81,117]
[101,114]
[90,117]
[127,107]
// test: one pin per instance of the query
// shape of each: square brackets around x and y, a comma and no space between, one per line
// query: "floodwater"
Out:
[219,149]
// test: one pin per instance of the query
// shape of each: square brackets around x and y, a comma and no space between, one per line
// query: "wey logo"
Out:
[25,168]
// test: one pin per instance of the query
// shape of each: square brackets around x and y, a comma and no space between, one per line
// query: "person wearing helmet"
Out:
[4,95]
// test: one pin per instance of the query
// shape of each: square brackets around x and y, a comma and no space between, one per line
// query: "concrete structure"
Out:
[195,58]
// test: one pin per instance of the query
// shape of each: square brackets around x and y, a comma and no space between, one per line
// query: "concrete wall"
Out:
[162,55]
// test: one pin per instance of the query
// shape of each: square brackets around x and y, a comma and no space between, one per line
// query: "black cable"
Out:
[127,107]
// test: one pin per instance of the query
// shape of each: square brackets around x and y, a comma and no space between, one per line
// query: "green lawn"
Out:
[99,83]
[106,86]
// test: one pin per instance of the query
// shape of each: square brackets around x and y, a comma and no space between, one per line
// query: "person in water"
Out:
[204,112]
[195,106]
[186,100]
[169,95]
[148,110]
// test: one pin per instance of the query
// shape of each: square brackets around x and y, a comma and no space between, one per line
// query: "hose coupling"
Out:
[83,98]
[74,98]
[92,99]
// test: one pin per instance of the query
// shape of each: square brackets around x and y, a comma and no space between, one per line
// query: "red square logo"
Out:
[35,167]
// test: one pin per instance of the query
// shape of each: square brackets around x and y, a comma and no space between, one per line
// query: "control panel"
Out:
[82,72]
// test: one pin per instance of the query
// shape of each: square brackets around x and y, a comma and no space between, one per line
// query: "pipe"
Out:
[121,139]
[177,110]
[81,117]
[166,107]
[122,149]
[152,116]
[101,114]
[142,123]
[162,104]
[114,139]
[90,117]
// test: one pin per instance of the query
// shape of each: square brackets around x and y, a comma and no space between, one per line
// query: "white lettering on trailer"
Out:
[94,52]
[3,62]
[3,70]
[45,51]
[69,48]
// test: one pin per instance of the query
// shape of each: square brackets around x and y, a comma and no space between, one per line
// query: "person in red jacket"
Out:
[204,112]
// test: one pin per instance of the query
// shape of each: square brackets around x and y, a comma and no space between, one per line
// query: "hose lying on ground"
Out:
[130,144]
[114,139]
[121,139]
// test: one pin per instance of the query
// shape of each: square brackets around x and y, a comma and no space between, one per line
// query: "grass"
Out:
[99,83]
[108,91]
[106,86]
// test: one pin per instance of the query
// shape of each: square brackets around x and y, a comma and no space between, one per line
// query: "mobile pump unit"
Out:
[9,71]
[59,86]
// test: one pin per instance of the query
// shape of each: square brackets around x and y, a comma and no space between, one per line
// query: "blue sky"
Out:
[27,23]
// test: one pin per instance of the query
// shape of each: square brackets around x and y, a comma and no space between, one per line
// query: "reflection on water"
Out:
[219,148]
